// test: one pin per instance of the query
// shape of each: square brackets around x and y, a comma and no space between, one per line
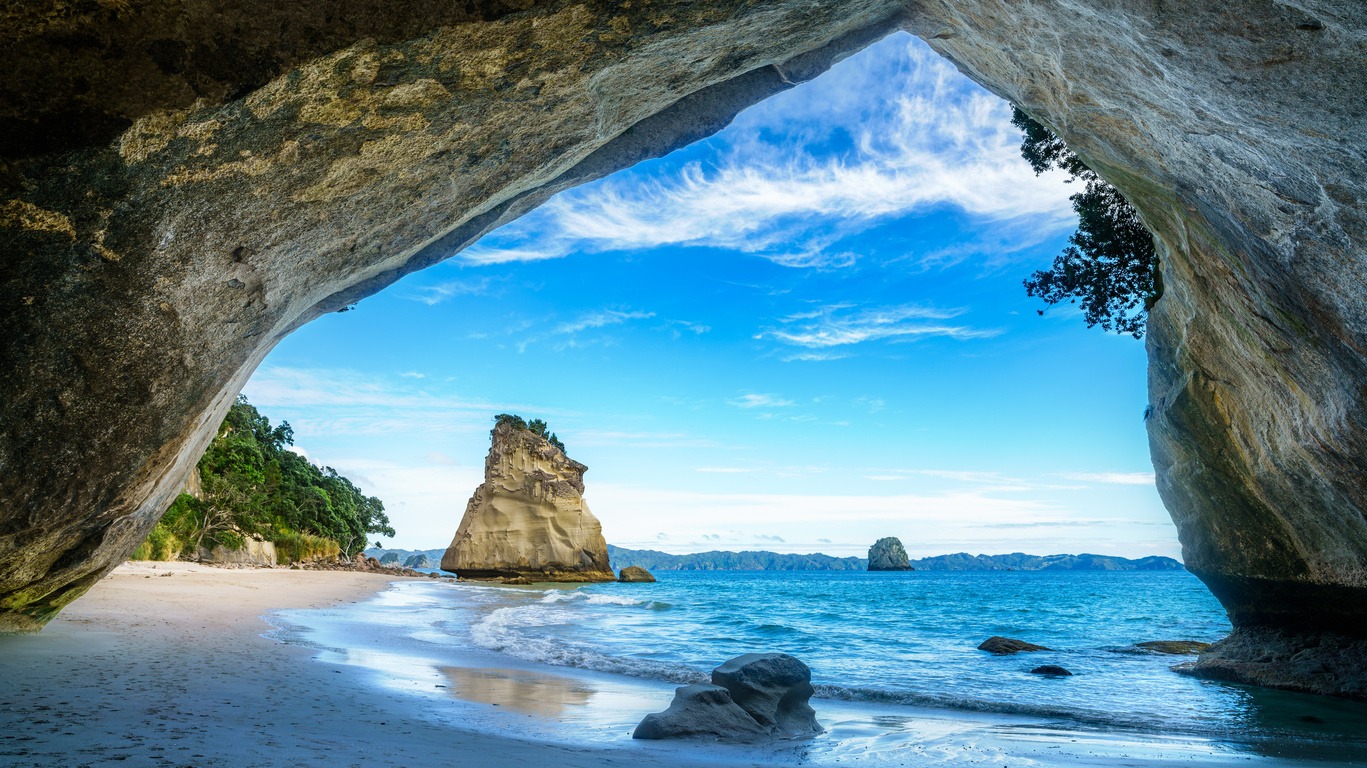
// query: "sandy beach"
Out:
[166,664]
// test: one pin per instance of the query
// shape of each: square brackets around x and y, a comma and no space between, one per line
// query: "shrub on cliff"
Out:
[1110,266]
[535,426]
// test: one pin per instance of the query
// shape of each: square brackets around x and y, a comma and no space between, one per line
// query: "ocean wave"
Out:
[553,596]
[505,631]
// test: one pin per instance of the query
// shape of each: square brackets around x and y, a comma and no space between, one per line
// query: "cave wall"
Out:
[229,171]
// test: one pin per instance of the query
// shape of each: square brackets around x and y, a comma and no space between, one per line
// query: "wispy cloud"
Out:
[600,319]
[432,295]
[811,357]
[756,400]
[1111,478]
[337,401]
[840,325]
[919,136]
[482,254]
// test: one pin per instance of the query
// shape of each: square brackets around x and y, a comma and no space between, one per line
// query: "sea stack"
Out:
[888,554]
[528,519]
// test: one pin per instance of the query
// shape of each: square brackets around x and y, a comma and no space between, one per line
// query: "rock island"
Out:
[528,520]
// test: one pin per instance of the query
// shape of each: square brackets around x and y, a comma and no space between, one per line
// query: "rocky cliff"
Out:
[528,518]
[888,554]
[184,183]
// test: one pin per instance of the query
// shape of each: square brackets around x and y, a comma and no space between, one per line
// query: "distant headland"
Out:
[759,560]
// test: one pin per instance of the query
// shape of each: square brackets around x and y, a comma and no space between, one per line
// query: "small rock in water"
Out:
[635,574]
[1051,670]
[1005,646]
[752,696]
[1174,647]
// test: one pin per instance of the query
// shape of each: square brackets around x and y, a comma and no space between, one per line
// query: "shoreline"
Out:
[148,669]
[151,669]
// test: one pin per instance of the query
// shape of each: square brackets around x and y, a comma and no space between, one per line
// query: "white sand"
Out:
[148,669]
[156,670]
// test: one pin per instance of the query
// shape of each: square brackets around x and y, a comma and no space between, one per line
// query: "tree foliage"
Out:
[1110,266]
[535,426]
[254,485]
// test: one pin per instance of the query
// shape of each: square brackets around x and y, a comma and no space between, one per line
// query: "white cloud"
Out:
[755,400]
[340,402]
[600,319]
[436,294]
[1111,478]
[842,325]
[910,132]
[810,357]
[413,375]
[983,520]
[480,254]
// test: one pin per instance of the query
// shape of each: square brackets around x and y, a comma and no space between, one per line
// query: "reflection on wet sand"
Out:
[518,689]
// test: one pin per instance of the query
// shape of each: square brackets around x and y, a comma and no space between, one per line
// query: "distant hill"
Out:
[1018,561]
[731,561]
[652,560]
[432,554]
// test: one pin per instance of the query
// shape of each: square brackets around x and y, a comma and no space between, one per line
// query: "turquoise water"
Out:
[912,638]
[879,640]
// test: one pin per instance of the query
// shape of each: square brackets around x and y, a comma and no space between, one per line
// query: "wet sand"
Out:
[172,670]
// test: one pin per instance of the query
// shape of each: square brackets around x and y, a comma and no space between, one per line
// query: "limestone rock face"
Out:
[184,183]
[253,552]
[528,518]
[888,554]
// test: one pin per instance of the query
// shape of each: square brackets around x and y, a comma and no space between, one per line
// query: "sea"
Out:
[892,655]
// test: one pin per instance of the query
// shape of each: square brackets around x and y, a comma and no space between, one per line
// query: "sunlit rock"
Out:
[528,519]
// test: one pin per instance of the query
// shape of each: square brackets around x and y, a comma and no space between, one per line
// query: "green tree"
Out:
[255,485]
[535,426]
[1110,266]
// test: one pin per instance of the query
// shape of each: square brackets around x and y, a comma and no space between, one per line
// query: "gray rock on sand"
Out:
[635,574]
[700,710]
[773,688]
[1051,670]
[1006,646]
[751,696]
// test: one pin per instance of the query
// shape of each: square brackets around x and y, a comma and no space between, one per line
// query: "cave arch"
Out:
[225,190]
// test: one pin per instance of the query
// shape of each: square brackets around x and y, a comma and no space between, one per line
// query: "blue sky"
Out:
[802,334]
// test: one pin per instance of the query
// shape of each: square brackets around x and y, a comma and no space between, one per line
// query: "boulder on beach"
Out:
[1051,670]
[1174,647]
[700,710]
[758,695]
[1005,646]
[888,554]
[635,574]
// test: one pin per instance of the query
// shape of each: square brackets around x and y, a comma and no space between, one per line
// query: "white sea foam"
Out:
[514,630]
